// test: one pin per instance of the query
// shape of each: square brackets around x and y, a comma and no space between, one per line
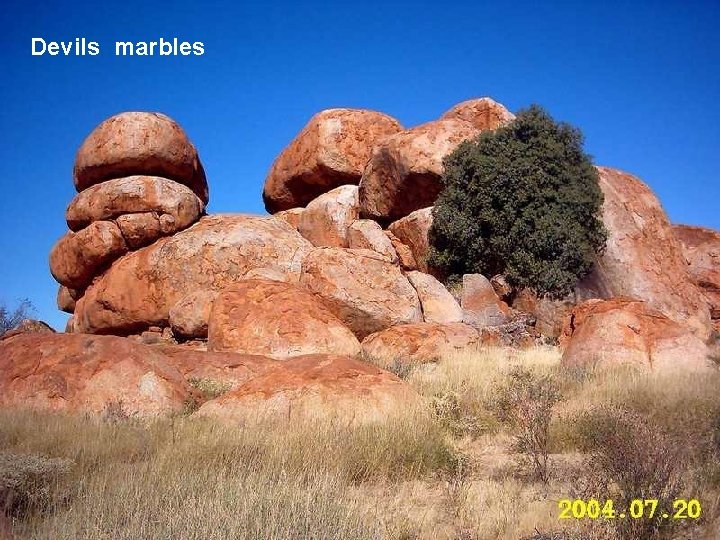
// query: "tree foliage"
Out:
[522,201]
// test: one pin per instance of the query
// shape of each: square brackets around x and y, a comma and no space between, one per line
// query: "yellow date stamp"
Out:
[635,509]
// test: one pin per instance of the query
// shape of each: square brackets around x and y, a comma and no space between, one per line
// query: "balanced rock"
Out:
[413,230]
[480,304]
[330,151]
[275,319]
[643,259]
[66,299]
[327,218]
[139,290]
[483,113]
[316,387]
[368,234]
[362,288]
[173,206]
[78,257]
[627,331]
[701,247]
[403,173]
[418,343]
[76,372]
[438,305]
[139,143]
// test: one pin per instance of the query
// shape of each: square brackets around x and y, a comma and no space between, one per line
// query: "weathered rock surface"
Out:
[438,305]
[173,206]
[76,372]
[189,316]
[701,248]
[316,387]
[403,173]
[65,299]
[368,234]
[78,257]
[483,113]
[326,219]
[139,143]
[29,326]
[292,216]
[418,343]
[627,331]
[361,288]
[275,319]
[404,253]
[413,230]
[215,371]
[481,306]
[643,260]
[331,150]
[139,289]
[549,313]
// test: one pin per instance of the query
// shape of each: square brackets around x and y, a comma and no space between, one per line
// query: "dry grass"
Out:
[451,474]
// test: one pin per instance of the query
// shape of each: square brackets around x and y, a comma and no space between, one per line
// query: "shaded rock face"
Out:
[326,220]
[403,173]
[173,206]
[66,299]
[480,304]
[626,331]
[189,316]
[701,248]
[78,257]
[549,313]
[483,113]
[74,372]
[316,387]
[413,230]
[438,305]
[361,288]
[139,143]
[418,343]
[139,290]
[278,320]
[404,253]
[331,150]
[368,234]
[643,260]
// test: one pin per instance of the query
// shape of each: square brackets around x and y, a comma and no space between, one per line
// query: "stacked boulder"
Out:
[138,178]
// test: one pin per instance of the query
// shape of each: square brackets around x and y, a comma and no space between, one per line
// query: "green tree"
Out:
[522,201]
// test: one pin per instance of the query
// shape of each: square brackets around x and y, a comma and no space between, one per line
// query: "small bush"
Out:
[9,319]
[521,201]
[526,403]
[210,388]
[27,481]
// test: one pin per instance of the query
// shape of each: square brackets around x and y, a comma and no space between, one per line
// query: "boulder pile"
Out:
[281,309]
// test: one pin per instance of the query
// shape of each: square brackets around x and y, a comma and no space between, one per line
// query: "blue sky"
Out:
[641,80]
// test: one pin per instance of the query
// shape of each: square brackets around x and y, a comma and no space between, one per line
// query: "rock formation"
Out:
[701,248]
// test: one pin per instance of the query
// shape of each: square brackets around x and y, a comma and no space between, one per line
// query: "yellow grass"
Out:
[449,474]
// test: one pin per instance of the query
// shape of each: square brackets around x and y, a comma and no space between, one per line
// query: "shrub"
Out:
[26,481]
[526,403]
[521,201]
[10,319]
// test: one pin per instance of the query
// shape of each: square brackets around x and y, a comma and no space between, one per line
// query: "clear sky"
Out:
[642,80]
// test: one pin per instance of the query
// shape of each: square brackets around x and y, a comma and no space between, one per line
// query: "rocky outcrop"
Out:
[189,316]
[413,230]
[66,299]
[28,326]
[701,248]
[483,113]
[78,257]
[642,259]
[316,387]
[438,305]
[139,290]
[404,253]
[480,305]
[275,319]
[627,331]
[331,150]
[403,173]
[74,372]
[419,343]
[368,234]
[292,216]
[549,313]
[139,143]
[361,288]
[326,219]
